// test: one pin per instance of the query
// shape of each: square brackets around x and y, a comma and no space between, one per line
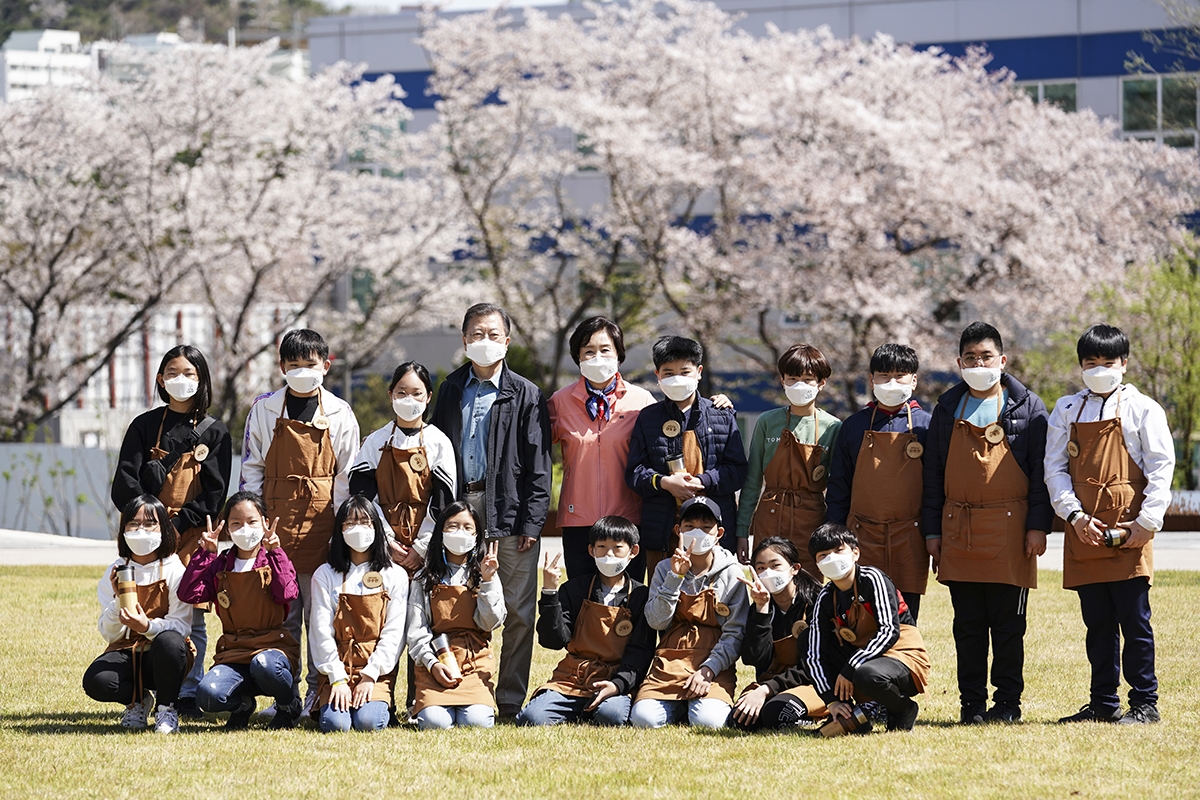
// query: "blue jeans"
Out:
[372,716]
[199,637]
[227,685]
[445,717]
[552,708]
[702,713]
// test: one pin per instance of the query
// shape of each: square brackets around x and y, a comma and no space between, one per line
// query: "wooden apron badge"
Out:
[405,483]
[792,504]
[298,481]
[181,487]
[984,516]
[251,620]
[1111,487]
[595,650]
[885,506]
[357,624]
[452,612]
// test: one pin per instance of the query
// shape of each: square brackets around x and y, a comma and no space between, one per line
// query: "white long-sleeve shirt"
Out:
[179,613]
[489,613]
[1147,438]
[439,451]
[260,432]
[327,588]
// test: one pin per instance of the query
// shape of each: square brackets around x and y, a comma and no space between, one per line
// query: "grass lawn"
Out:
[54,741]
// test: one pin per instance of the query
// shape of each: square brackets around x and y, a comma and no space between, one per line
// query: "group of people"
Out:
[806,557]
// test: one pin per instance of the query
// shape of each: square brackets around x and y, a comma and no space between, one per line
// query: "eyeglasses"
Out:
[980,361]
[457,527]
[136,525]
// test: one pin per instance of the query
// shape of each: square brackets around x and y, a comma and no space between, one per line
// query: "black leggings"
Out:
[110,677]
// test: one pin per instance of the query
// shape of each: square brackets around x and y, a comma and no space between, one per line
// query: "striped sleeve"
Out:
[887,615]
[822,616]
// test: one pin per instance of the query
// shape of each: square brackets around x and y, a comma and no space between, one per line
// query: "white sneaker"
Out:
[166,720]
[136,714]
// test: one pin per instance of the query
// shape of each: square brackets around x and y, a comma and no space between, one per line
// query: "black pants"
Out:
[110,677]
[886,681]
[914,604]
[575,542]
[1110,611]
[781,711]
[996,610]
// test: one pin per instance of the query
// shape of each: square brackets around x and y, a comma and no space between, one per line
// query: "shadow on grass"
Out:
[81,722]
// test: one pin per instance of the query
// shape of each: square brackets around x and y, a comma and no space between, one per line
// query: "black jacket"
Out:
[758,642]
[1024,420]
[518,451]
[557,612]
[849,442]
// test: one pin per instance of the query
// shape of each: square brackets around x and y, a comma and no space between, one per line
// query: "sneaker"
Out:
[904,720]
[286,716]
[166,719]
[136,714]
[268,713]
[239,720]
[187,708]
[972,714]
[1003,712]
[1140,715]
[1089,714]
[875,712]
[310,700]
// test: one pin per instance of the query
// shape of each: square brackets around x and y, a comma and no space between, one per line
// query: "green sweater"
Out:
[765,442]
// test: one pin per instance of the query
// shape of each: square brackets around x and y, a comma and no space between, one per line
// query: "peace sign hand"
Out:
[490,563]
[271,535]
[208,539]
[681,560]
[758,593]
[551,572]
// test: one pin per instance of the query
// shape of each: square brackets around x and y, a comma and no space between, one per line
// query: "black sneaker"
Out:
[1140,715]
[508,713]
[187,708]
[904,720]
[239,720]
[286,716]
[1089,714]
[1003,712]
[972,714]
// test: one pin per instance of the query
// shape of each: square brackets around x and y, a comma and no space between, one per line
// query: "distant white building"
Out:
[33,60]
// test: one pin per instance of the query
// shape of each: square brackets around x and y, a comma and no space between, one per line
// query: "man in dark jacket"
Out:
[499,426]
[985,518]
[682,447]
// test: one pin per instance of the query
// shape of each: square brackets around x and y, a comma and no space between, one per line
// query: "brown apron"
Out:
[181,487]
[251,620]
[155,600]
[693,464]
[298,488]
[885,506]
[786,652]
[357,623]
[404,490]
[694,632]
[1110,486]
[987,502]
[909,649]
[595,649]
[793,499]
[452,611]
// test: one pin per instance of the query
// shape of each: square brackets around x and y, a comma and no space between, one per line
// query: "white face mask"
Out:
[774,579]
[598,369]
[247,537]
[612,566]
[181,388]
[1103,380]
[485,352]
[359,538]
[981,378]
[892,393]
[679,387]
[836,565]
[459,542]
[408,409]
[702,539]
[801,393]
[304,379]
[143,543]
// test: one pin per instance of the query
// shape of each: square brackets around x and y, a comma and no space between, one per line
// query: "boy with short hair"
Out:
[863,640]
[699,604]
[300,442]
[985,518]
[1109,462]
[600,620]
[682,447]
[876,481]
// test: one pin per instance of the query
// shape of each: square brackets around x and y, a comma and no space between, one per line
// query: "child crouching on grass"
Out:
[699,604]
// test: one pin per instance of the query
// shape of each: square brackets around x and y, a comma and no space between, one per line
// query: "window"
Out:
[1160,109]
[1060,93]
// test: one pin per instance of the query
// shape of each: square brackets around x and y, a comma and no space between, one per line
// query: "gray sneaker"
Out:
[136,714]
[166,720]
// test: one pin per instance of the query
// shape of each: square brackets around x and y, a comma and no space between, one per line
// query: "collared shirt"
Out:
[1147,437]
[477,400]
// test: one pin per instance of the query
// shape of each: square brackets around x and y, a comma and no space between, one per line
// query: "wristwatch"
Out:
[1074,515]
